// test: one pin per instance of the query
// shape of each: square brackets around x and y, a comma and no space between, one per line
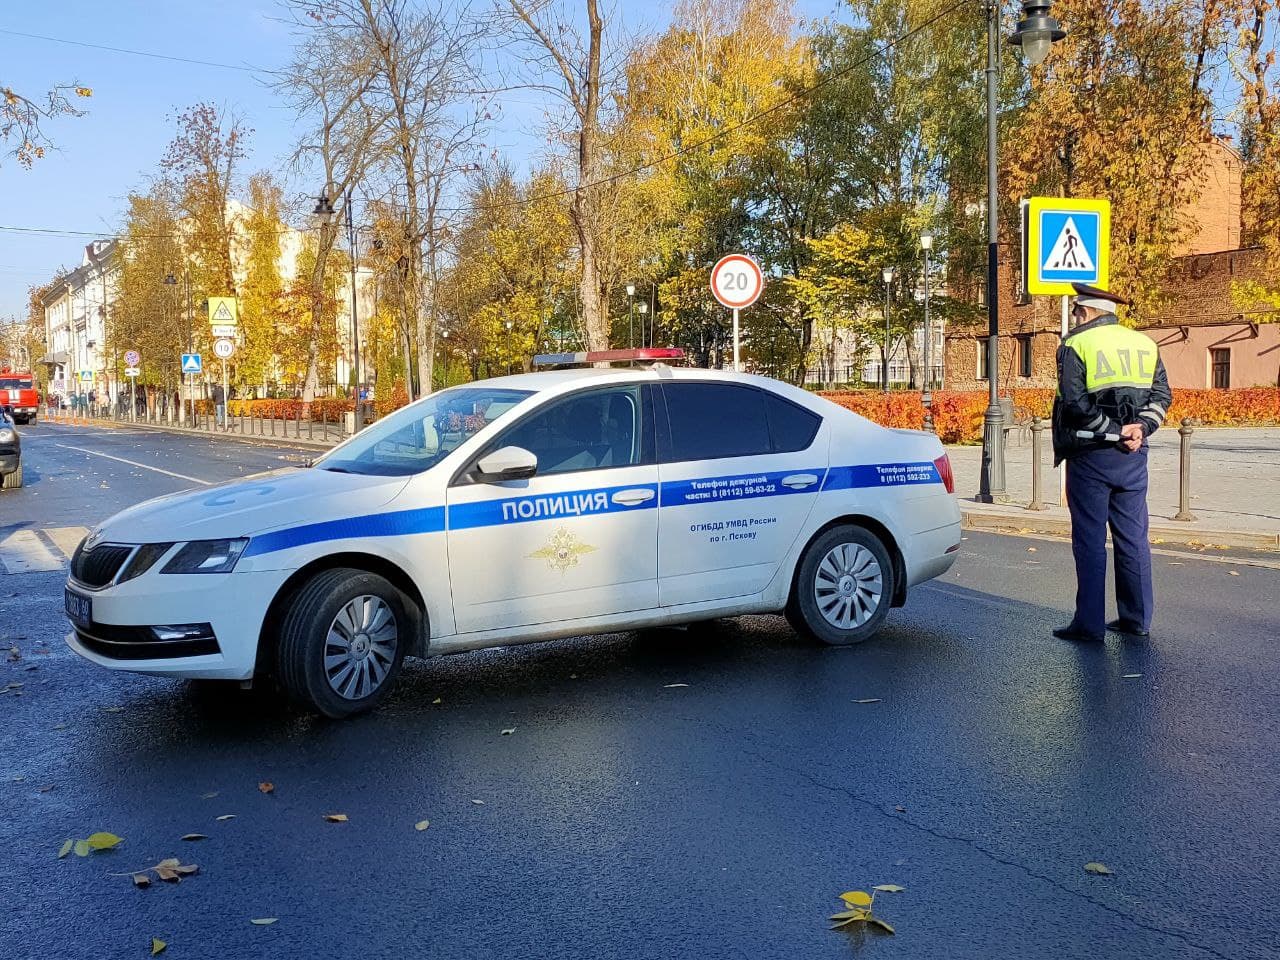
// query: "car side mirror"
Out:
[509,463]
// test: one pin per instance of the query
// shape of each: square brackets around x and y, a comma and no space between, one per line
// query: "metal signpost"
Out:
[1066,240]
[133,361]
[736,282]
[191,363]
[224,320]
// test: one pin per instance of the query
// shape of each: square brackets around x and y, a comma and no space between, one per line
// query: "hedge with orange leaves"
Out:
[958,415]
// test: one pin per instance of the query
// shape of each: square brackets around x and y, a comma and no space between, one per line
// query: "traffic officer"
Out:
[1112,395]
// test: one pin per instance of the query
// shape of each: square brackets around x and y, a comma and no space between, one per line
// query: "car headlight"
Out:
[207,556]
[7,435]
[143,560]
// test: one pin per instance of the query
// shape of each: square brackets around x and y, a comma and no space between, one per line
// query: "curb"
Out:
[277,441]
[1027,521]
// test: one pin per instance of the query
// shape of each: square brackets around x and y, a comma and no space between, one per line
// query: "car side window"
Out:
[791,427]
[590,430]
[711,421]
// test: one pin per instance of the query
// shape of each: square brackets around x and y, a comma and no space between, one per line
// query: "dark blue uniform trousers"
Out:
[1109,485]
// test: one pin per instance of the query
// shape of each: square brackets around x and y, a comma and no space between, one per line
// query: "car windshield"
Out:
[421,435]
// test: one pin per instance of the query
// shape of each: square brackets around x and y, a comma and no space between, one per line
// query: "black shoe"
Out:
[1128,629]
[1076,635]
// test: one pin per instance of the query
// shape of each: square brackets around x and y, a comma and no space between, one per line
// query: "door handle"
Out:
[798,481]
[630,498]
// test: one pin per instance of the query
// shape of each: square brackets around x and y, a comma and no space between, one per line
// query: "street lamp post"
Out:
[324,209]
[926,244]
[509,325]
[631,297]
[887,275]
[1035,33]
[643,309]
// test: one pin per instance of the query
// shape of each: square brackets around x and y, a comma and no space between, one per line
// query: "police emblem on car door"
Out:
[576,539]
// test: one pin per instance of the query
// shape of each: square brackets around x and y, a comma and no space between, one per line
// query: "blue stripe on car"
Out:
[676,493]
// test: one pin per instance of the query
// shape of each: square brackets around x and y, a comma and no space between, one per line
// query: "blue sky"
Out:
[109,152]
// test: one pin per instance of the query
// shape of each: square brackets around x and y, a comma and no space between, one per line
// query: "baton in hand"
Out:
[1099,437]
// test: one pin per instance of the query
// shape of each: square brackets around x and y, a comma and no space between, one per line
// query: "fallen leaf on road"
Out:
[478,803]
[901,809]
[509,731]
[868,700]
[265,787]
[59,726]
[113,709]
[1131,676]
[45,789]
[437,700]
[881,924]
[856,898]
[65,848]
[1098,868]
[194,836]
[422,825]
[1031,549]
[264,921]
[103,840]
[889,888]
[210,796]
[31,666]
[157,946]
[672,686]
[141,880]
[336,817]
[1232,573]
[225,817]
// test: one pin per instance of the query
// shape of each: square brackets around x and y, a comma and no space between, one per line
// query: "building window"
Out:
[982,357]
[1221,358]
[1024,356]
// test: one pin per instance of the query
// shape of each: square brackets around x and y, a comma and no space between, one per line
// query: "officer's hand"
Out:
[1133,435]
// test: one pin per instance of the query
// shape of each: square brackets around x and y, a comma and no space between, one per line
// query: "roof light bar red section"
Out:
[608,356]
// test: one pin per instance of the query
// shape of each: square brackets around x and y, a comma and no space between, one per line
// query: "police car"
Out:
[528,507]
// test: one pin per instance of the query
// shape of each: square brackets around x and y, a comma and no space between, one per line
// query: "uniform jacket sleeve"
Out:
[1080,411]
[1153,412]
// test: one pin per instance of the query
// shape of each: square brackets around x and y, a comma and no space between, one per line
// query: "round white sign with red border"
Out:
[131,358]
[223,348]
[736,281]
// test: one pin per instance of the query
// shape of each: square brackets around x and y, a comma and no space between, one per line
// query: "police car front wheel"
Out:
[342,641]
[844,587]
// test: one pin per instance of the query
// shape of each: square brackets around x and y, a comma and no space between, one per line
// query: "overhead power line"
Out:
[133,53]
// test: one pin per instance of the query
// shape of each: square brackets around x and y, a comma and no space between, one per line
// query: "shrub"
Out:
[958,415]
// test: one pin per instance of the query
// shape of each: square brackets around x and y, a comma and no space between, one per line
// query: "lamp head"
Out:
[1036,32]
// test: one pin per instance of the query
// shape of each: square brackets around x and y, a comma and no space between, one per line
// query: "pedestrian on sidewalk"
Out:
[219,404]
[1112,395]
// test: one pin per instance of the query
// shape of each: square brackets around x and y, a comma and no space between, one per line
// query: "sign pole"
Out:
[737,366]
[1062,469]
[224,395]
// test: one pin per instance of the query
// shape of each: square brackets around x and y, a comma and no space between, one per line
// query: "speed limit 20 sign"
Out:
[736,281]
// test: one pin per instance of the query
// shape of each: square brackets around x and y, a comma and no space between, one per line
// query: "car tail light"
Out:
[943,463]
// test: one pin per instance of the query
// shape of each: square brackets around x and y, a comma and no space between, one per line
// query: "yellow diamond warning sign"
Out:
[222,311]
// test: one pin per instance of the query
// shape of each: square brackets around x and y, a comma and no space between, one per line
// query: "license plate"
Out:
[79,609]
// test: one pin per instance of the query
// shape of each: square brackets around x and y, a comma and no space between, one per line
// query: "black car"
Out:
[10,452]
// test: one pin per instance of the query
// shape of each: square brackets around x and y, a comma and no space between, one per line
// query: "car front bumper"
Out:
[233,606]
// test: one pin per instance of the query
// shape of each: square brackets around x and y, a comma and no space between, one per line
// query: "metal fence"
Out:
[328,429]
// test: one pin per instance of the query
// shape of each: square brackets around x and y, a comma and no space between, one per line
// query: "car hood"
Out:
[242,508]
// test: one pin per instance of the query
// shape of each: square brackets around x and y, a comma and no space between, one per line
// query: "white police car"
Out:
[522,508]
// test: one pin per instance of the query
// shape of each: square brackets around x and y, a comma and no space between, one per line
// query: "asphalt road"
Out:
[698,793]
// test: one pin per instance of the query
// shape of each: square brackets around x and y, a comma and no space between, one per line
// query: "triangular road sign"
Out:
[1069,251]
[222,314]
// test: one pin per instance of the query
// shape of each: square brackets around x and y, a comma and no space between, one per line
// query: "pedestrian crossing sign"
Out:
[191,363]
[1068,241]
[222,310]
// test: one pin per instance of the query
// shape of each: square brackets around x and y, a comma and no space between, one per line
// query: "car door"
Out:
[578,539]
[740,469]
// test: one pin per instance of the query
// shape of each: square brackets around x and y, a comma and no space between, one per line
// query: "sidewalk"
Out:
[1235,488]
[249,429]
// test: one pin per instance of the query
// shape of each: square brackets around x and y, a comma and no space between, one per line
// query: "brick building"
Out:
[1207,339]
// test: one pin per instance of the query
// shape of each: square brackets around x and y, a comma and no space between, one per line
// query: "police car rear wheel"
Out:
[342,641]
[12,481]
[843,589]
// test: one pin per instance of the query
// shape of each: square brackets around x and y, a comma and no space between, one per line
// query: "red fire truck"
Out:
[18,393]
